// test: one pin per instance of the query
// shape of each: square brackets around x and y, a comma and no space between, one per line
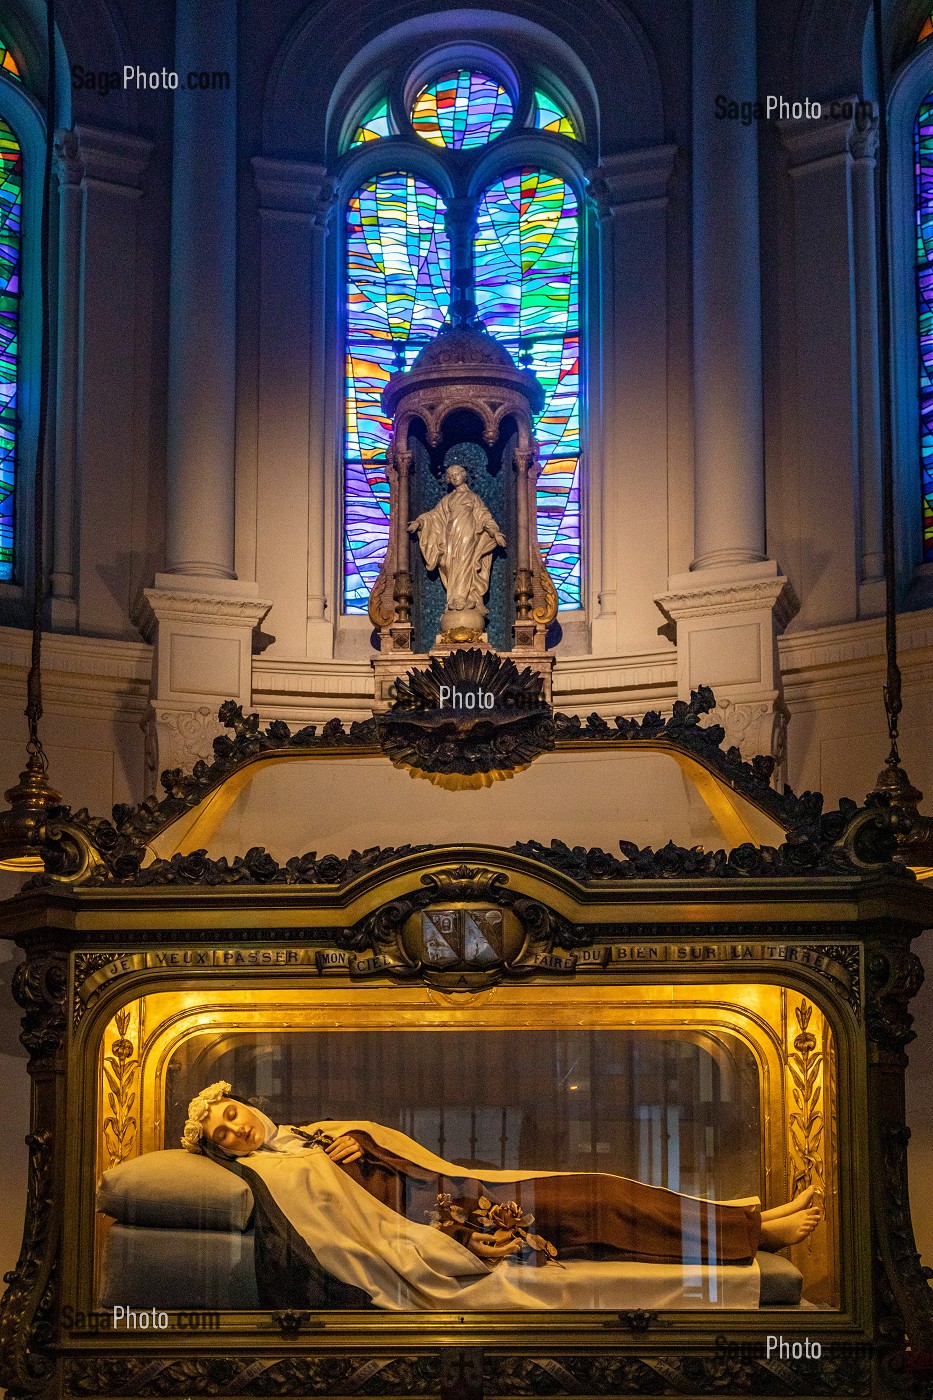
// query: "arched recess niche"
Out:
[588,60]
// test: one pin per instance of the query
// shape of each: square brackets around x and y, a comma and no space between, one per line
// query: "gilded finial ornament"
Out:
[22,825]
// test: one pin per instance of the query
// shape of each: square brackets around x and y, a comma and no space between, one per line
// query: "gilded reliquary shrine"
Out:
[473,1096]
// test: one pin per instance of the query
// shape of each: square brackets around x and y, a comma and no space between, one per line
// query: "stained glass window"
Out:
[923,146]
[11,201]
[398,294]
[373,125]
[527,292]
[461,110]
[926,30]
[550,116]
[7,62]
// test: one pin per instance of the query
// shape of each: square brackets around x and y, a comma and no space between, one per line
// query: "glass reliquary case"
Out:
[473,1115]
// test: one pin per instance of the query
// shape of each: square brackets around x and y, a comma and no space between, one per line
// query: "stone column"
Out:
[109,471]
[200,617]
[64,607]
[627,437]
[863,142]
[729,607]
[202,304]
[293,509]
[729,458]
[831,315]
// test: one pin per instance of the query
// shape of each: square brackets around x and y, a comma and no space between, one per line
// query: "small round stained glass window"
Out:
[462,109]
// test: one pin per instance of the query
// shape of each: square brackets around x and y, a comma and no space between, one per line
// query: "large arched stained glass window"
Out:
[524,276]
[398,293]
[11,202]
[924,169]
[527,292]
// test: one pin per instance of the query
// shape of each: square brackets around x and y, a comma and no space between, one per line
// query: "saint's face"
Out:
[234,1128]
[456,475]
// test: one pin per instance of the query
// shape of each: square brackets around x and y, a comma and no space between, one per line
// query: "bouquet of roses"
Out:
[499,1222]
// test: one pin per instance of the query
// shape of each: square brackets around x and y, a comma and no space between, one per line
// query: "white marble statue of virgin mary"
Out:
[457,537]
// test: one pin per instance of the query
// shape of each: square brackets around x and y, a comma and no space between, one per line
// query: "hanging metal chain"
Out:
[33,709]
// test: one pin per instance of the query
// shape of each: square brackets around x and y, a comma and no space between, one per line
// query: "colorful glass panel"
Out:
[550,116]
[11,202]
[8,63]
[926,30]
[373,125]
[398,293]
[923,147]
[527,292]
[461,110]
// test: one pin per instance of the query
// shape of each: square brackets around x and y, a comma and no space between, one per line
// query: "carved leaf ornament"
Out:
[462,745]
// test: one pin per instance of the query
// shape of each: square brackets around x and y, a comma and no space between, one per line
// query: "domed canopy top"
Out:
[463,345]
[464,353]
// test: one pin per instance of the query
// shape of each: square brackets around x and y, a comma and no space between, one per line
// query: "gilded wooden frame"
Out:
[826,943]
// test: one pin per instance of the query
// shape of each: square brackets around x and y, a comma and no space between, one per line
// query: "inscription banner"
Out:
[624,953]
[603,957]
[324,960]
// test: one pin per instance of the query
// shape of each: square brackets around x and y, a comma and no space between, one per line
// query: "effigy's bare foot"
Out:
[800,1202]
[789,1229]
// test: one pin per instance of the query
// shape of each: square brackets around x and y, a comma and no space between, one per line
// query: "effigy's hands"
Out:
[479,1244]
[344,1149]
[415,524]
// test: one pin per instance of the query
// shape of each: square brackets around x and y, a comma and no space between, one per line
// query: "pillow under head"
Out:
[175,1188]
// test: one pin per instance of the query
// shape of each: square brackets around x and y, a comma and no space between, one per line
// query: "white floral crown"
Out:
[198,1109]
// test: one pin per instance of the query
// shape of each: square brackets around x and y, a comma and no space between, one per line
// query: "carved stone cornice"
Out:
[704,597]
[293,187]
[113,160]
[181,604]
[808,141]
[631,179]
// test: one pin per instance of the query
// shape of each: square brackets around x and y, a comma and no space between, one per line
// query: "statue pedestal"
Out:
[388,666]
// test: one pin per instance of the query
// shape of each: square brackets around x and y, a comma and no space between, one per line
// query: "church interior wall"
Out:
[109,523]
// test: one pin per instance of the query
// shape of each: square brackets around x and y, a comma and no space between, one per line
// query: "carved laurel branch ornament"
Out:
[806,1123]
[82,849]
